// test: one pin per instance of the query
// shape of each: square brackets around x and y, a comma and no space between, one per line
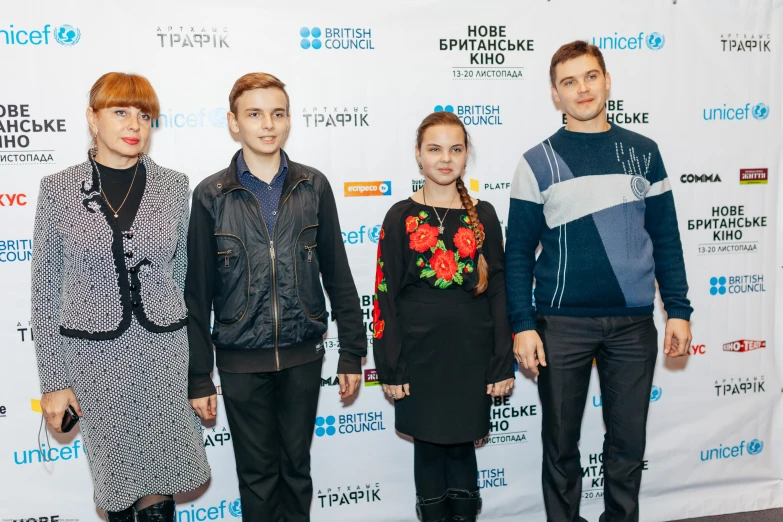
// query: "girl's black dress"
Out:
[429,329]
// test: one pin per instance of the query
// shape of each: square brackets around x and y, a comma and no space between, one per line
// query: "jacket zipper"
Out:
[310,252]
[225,253]
[274,263]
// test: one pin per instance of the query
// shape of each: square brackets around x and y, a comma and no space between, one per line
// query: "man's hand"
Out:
[349,384]
[529,350]
[53,405]
[205,407]
[398,391]
[678,338]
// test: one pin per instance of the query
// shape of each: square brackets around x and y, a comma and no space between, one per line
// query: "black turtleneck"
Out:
[116,183]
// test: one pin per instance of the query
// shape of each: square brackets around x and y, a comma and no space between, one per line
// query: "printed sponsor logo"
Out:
[336,38]
[224,509]
[17,125]
[16,250]
[367,188]
[700,178]
[754,176]
[738,284]
[739,386]
[653,41]
[484,52]
[51,454]
[371,377]
[473,114]
[349,423]
[501,430]
[216,437]
[746,43]
[492,478]
[66,35]
[728,226]
[192,36]
[759,111]
[342,496]
[744,345]
[754,447]
[338,117]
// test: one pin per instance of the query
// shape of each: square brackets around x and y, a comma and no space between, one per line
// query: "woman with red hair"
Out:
[108,271]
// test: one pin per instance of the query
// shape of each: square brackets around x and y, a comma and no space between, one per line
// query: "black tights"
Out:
[439,467]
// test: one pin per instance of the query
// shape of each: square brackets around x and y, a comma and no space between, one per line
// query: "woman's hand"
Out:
[501,388]
[398,391]
[53,405]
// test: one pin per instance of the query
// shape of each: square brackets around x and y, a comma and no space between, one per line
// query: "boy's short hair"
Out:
[252,81]
[573,50]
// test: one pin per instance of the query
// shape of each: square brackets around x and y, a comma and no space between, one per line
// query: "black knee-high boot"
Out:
[464,505]
[126,515]
[160,512]
[433,509]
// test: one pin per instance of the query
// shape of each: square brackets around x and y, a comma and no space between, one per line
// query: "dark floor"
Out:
[771,515]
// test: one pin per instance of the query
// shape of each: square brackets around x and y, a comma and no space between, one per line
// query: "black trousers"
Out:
[272,418]
[625,349]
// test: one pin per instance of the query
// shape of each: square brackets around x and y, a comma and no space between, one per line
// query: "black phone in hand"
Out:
[70,418]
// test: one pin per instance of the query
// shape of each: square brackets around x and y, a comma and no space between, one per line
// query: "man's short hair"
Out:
[574,50]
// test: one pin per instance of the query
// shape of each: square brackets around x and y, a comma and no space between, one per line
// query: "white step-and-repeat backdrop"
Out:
[701,77]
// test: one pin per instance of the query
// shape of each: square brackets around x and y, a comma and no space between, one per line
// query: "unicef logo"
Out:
[235,508]
[639,186]
[374,233]
[306,33]
[217,118]
[656,41]
[444,108]
[717,285]
[655,393]
[67,35]
[760,111]
[329,430]
[755,447]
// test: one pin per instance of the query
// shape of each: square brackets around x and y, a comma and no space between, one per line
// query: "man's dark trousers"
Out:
[272,418]
[625,349]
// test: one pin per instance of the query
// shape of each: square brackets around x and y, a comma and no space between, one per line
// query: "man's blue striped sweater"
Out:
[601,206]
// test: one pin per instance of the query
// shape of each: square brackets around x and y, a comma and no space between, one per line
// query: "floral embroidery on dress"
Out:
[446,266]
[378,324]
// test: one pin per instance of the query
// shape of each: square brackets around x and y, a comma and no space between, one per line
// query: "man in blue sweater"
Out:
[597,199]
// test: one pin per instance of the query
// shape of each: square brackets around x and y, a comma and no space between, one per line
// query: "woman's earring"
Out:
[95,135]
[420,166]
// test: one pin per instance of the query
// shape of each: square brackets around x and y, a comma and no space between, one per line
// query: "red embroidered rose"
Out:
[465,241]
[383,234]
[411,224]
[376,311]
[443,263]
[377,329]
[378,275]
[424,238]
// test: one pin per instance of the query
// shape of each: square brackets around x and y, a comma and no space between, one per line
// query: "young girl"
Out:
[442,341]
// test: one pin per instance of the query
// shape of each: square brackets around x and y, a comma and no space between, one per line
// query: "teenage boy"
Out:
[263,231]
[596,197]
